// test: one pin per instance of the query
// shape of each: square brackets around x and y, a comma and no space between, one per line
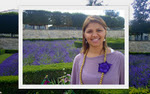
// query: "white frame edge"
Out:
[38,7]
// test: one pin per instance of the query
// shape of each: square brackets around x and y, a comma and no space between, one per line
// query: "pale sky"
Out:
[14,4]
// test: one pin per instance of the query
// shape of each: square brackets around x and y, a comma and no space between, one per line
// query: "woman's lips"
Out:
[95,40]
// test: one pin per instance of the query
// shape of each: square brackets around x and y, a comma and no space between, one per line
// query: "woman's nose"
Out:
[94,34]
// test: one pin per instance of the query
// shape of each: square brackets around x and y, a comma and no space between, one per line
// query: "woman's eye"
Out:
[99,30]
[89,31]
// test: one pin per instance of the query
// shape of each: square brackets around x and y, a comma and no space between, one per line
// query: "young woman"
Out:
[97,63]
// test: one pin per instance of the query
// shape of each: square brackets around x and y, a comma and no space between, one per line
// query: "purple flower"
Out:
[9,66]
[46,82]
[104,67]
[48,52]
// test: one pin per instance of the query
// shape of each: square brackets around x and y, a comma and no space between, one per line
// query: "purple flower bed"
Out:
[47,52]
[139,68]
[9,66]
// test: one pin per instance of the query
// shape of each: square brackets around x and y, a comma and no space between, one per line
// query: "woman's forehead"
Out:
[95,25]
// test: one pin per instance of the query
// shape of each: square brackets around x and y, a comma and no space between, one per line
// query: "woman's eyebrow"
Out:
[99,28]
[88,29]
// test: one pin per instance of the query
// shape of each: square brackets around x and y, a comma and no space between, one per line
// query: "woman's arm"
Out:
[74,74]
[122,69]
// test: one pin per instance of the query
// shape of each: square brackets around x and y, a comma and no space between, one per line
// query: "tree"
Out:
[56,18]
[66,19]
[139,29]
[120,22]
[140,24]
[111,13]
[114,23]
[94,3]
[36,17]
[9,23]
[78,19]
[141,10]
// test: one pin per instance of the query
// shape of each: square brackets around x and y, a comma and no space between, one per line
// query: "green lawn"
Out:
[3,57]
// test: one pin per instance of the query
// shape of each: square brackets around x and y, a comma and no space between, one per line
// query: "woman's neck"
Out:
[95,51]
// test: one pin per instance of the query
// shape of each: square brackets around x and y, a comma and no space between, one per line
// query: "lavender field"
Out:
[48,52]
[139,70]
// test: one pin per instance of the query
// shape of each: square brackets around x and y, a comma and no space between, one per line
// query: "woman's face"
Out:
[95,34]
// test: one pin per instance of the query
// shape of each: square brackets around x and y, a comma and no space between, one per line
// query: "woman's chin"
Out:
[95,45]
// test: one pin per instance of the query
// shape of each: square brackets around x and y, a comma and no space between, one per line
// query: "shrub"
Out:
[9,85]
[2,51]
[139,53]
[116,45]
[78,44]
[139,90]
[35,74]
[52,39]
[11,51]
[112,44]
[8,79]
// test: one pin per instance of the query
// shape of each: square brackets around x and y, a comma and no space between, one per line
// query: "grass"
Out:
[3,57]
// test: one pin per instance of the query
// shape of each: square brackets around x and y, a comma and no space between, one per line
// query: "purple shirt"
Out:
[90,74]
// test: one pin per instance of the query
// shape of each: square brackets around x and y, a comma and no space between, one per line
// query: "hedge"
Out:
[11,51]
[78,44]
[52,39]
[114,45]
[2,51]
[8,79]
[35,74]
[139,53]
[115,40]
[9,85]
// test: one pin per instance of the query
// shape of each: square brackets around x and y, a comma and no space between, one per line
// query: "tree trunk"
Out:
[141,36]
[11,35]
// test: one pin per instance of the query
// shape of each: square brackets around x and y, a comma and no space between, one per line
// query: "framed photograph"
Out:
[55,44]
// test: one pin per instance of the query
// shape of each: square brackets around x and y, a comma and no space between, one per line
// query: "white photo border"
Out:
[39,7]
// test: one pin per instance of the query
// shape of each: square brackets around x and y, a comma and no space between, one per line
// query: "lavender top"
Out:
[90,74]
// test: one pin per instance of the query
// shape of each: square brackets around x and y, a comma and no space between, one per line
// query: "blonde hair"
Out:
[88,20]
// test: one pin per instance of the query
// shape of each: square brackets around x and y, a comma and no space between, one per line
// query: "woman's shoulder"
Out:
[117,54]
[120,55]
[78,56]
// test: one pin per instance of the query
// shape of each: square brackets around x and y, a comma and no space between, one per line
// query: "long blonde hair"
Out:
[88,20]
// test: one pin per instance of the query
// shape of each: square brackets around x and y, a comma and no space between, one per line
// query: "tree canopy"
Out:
[58,19]
[111,13]
[141,10]
[9,23]
[35,17]
[94,3]
[141,21]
